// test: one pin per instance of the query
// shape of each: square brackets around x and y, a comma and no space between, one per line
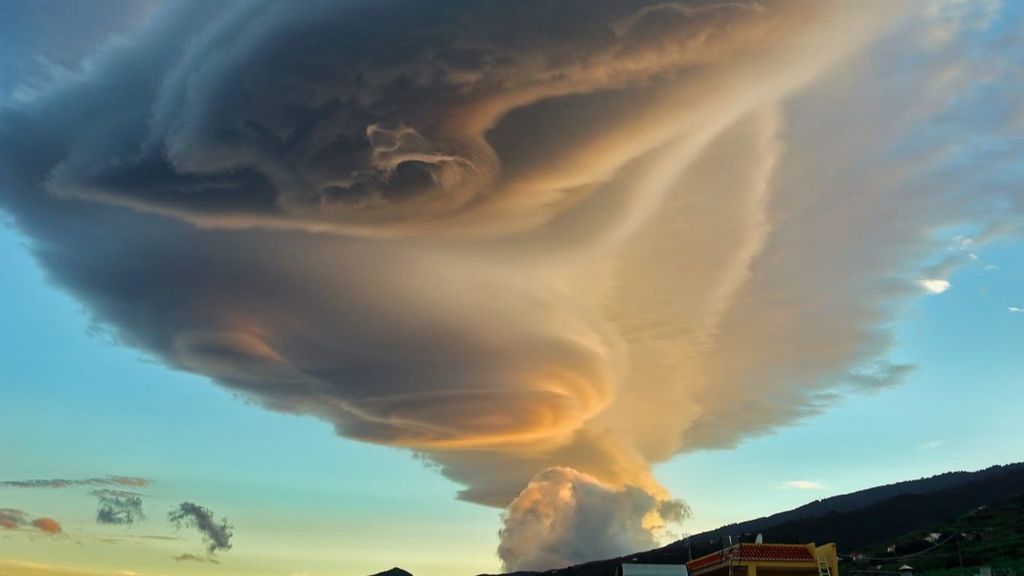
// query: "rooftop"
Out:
[755,553]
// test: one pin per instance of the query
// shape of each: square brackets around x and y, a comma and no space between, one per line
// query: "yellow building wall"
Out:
[828,553]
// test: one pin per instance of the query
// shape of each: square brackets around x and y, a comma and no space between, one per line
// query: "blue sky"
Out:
[76,404]
[580,271]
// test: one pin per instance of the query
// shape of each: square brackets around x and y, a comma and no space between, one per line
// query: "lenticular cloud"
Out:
[544,244]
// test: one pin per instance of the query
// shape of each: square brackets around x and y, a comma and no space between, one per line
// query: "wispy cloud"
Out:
[131,481]
[1015,309]
[118,507]
[930,445]
[196,558]
[21,568]
[801,485]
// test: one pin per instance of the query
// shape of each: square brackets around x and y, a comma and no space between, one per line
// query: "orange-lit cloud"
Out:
[48,525]
[14,519]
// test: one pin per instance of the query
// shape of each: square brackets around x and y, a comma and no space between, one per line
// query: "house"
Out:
[768,560]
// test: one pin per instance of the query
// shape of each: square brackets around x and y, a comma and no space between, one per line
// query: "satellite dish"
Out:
[759,539]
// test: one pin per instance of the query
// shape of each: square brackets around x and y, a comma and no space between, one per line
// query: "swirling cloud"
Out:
[513,237]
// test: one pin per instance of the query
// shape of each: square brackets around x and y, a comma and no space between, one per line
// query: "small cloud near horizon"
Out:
[801,485]
[931,445]
[196,558]
[14,519]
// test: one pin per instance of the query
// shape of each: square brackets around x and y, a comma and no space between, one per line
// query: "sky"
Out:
[463,287]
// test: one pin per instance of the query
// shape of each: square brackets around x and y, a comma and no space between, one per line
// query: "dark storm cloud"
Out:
[132,481]
[118,507]
[217,535]
[360,117]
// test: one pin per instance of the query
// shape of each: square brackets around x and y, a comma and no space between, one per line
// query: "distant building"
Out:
[768,560]
[653,570]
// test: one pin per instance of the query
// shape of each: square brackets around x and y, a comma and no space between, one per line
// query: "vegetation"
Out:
[990,535]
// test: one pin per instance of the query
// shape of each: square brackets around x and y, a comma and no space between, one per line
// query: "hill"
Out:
[392,572]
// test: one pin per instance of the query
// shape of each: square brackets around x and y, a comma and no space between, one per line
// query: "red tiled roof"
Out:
[704,561]
[754,553]
[776,552]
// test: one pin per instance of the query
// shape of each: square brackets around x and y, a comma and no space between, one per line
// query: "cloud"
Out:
[515,237]
[801,485]
[1015,309]
[118,507]
[14,519]
[934,285]
[195,558]
[565,517]
[931,445]
[217,535]
[48,525]
[132,481]
[20,568]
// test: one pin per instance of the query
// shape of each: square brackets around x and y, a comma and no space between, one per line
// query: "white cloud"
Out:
[565,517]
[934,285]
[961,243]
[1015,309]
[801,485]
[949,19]
[930,445]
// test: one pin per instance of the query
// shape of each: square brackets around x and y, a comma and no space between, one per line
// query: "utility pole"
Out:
[959,555]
